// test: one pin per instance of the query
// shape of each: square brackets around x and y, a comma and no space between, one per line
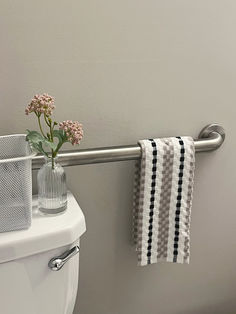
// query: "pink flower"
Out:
[41,104]
[73,130]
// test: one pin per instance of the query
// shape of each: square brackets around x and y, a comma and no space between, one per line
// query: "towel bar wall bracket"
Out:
[205,132]
[210,138]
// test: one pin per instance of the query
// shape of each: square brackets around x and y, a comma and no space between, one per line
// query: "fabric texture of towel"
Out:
[163,187]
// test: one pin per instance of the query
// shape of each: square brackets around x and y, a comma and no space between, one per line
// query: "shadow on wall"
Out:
[225,307]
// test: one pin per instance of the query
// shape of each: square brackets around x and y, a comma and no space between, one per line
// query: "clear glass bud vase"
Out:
[52,191]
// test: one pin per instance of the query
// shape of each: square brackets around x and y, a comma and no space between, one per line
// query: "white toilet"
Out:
[39,267]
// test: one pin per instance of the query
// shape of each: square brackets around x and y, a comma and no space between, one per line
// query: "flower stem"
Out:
[51,132]
[49,124]
[46,120]
[40,126]
[59,145]
[50,137]
[52,160]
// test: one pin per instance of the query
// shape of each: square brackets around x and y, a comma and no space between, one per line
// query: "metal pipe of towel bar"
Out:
[208,140]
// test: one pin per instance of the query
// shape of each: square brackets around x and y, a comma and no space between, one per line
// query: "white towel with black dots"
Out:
[162,200]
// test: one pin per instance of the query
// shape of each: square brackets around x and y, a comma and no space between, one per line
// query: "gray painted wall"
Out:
[129,70]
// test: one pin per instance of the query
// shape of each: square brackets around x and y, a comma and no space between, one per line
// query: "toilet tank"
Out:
[28,285]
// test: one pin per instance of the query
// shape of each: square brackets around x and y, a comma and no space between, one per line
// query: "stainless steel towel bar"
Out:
[209,139]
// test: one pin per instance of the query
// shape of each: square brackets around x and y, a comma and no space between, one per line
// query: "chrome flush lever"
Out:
[58,262]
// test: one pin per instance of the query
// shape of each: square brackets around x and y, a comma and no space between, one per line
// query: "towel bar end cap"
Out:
[210,128]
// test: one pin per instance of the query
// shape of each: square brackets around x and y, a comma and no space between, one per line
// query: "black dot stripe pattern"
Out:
[152,200]
[179,198]
[162,200]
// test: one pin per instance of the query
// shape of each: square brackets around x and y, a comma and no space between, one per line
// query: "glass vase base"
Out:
[52,191]
[53,211]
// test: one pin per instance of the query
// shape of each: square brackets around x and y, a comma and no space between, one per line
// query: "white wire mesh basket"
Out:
[15,183]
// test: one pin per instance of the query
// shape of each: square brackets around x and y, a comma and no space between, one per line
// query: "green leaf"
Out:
[61,135]
[62,138]
[39,148]
[34,137]
[50,144]
[36,140]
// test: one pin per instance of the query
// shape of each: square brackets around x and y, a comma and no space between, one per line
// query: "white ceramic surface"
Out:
[45,233]
[27,285]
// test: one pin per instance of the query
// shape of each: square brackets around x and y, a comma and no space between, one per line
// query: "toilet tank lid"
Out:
[46,232]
